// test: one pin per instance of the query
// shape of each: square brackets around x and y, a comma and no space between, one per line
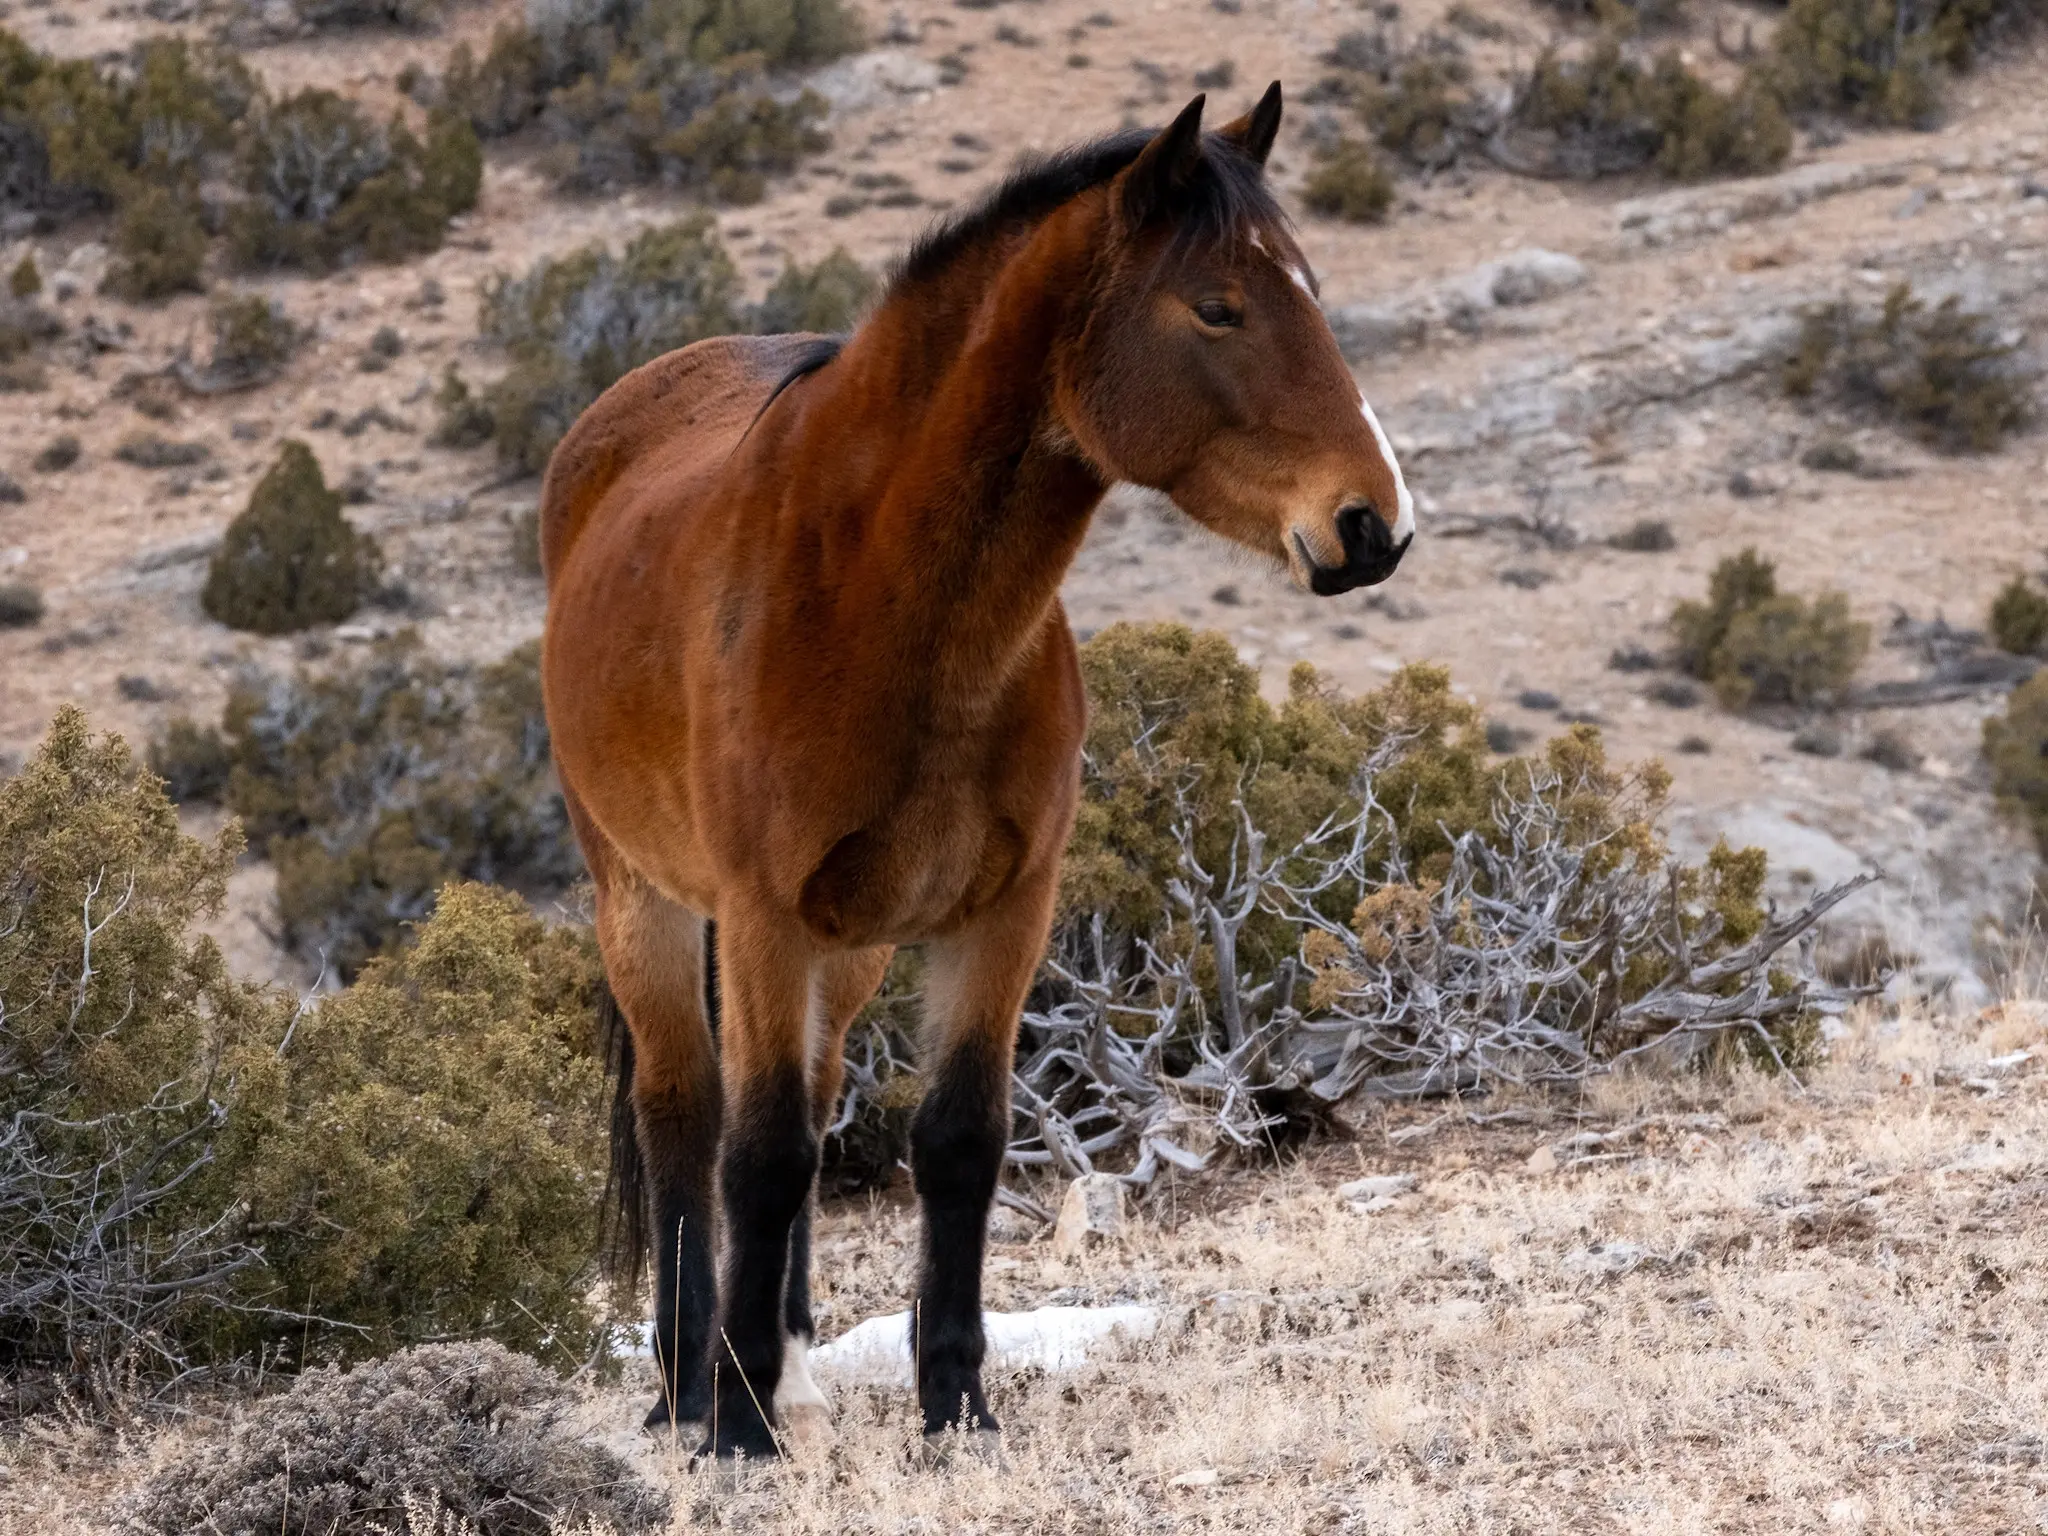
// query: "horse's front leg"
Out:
[976,986]
[767,1163]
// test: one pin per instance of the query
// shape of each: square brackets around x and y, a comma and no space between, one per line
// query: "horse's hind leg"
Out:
[656,956]
[976,987]
[769,1160]
[841,985]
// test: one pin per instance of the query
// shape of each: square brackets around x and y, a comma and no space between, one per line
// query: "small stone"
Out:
[1009,1225]
[1201,1477]
[1091,1215]
[1382,1186]
[1542,1160]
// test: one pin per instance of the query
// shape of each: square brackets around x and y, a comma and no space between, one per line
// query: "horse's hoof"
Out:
[694,1408]
[943,1449]
[754,1443]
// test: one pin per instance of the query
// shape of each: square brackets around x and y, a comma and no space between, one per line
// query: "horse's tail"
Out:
[622,1236]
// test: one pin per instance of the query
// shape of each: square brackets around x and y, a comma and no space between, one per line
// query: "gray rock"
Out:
[1091,1215]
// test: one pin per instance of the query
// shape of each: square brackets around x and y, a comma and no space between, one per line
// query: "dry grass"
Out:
[1753,1310]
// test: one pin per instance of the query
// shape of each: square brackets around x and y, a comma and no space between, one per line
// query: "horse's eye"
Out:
[1218,313]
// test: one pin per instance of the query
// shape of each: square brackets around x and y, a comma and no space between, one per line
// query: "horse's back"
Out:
[678,415]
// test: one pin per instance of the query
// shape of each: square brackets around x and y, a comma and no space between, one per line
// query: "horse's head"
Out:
[1207,370]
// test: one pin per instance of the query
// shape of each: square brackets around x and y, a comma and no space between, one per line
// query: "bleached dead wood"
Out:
[1526,964]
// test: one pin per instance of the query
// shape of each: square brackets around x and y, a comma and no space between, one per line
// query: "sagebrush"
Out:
[1756,645]
[199,1174]
[1947,373]
[469,1433]
[372,784]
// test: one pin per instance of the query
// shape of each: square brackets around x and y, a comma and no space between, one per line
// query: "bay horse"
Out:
[811,690]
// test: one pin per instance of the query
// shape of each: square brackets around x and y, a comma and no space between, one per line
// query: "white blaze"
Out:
[1404,525]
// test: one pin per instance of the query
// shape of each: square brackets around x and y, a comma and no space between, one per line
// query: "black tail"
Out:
[622,1235]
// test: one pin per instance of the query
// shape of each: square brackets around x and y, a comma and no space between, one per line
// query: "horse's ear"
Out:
[1164,167]
[1255,132]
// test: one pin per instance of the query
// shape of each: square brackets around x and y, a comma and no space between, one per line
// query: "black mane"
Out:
[1227,198]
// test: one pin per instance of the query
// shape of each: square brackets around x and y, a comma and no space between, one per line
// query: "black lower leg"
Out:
[681,1152]
[957,1145]
[796,1302]
[770,1160]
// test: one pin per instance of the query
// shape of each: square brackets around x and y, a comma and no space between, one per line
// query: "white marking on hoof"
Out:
[1404,525]
[796,1393]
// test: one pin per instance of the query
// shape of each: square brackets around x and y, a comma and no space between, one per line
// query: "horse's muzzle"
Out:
[1370,553]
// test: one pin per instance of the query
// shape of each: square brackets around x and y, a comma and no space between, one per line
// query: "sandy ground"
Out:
[1670,1307]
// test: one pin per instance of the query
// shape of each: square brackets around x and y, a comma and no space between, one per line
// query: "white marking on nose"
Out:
[1404,525]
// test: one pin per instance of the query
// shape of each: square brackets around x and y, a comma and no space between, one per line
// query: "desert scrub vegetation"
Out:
[2018,620]
[1885,61]
[1419,104]
[1266,908]
[462,1437]
[1350,183]
[574,324]
[198,1173]
[1755,645]
[373,784]
[326,183]
[1604,112]
[147,135]
[290,559]
[1947,374]
[674,91]
[2016,747]
[250,339]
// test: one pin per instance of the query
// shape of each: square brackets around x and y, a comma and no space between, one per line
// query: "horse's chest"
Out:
[950,846]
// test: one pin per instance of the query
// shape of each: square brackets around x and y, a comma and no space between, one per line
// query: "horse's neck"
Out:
[986,495]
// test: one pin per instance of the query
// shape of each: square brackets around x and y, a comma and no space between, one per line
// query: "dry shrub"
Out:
[2016,745]
[462,420]
[160,247]
[115,1233]
[1946,374]
[2019,618]
[21,605]
[827,297]
[86,134]
[1605,113]
[1624,14]
[372,785]
[326,183]
[1758,646]
[252,339]
[192,760]
[1350,184]
[472,1431]
[1882,60]
[1419,103]
[290,560]
[193,1172]
[427,1153]
[656,90]
[577,323]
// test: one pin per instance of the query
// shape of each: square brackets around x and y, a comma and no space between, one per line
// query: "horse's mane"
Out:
[1227,198]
